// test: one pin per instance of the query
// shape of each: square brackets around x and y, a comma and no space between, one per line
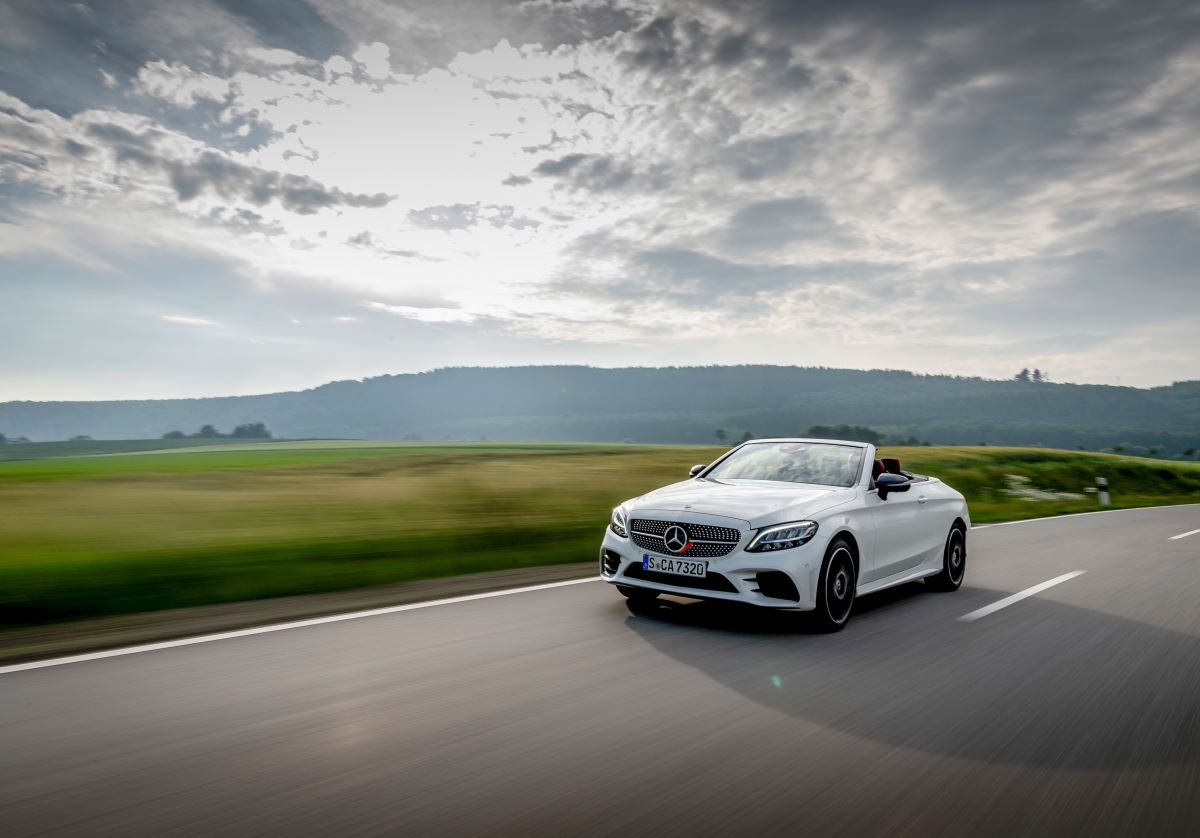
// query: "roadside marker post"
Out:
[1102,490]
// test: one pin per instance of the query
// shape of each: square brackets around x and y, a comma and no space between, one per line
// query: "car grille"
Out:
[707,542]
[711,582]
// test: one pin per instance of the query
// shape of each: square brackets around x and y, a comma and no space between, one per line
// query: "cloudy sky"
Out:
[235,196]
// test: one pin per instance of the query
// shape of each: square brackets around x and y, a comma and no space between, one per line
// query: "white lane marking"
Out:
[315,621]
[1183,535]
[1078,514]
[1018,596]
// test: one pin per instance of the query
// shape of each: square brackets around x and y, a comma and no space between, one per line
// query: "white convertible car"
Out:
[804,524]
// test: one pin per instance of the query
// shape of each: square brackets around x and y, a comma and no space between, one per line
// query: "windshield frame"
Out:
[857,478]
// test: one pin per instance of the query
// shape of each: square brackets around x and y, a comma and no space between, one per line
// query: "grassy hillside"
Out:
[122,533]
[658,405]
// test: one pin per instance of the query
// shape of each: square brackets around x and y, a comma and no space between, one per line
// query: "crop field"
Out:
[119,533]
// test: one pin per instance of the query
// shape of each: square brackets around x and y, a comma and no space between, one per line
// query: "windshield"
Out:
[792,462]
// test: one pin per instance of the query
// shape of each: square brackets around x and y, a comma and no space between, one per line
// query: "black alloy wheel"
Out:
[954,562]
[838,585]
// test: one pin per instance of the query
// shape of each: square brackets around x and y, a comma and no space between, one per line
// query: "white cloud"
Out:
[179,84]
[425,315]
[374,59]
[186,321]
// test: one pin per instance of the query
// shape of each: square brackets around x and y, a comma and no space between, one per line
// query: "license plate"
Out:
[680,567]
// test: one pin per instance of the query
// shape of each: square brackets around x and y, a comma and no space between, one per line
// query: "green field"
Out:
[118,533]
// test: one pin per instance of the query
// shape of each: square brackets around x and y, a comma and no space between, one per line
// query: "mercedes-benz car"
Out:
[802,524]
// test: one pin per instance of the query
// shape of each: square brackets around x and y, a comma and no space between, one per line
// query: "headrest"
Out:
[891,465]
[876,469]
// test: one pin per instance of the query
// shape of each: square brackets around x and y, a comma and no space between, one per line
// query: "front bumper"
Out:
[739,576]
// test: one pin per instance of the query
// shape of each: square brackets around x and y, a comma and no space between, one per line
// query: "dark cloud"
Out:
[770,225]
[731,49]
[53,52]
[689,281]
[560,165]
[1134,273]
[128,146]
[231,180]
[244,221]
[297,193]
[516,180]
[655,44]
[288,24]
[593,172]
[765,157]
[431,32]
[77,149]
[120,136]
[995,97]
[701,275]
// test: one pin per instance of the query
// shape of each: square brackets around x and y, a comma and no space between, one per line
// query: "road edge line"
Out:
[293,624]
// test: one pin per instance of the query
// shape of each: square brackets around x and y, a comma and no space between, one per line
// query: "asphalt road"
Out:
[559,711]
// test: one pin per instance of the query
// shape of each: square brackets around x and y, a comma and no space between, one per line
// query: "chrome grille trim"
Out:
[709,541]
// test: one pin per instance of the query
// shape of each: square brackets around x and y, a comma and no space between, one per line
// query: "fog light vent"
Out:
[777,585]
[609,562]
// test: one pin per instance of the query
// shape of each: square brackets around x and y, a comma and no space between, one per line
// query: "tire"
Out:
[837,587]
[637,594]
[954,562]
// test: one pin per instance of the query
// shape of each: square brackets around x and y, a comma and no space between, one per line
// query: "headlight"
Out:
[782,536]
[618,524]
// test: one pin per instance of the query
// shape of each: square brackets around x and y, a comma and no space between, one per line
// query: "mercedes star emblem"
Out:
[676,538]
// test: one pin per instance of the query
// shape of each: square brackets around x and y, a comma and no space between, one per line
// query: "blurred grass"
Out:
[123,533]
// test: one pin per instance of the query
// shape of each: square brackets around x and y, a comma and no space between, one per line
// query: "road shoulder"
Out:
[26,644]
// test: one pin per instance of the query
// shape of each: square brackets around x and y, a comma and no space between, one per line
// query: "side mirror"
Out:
[888,483]
[696,469]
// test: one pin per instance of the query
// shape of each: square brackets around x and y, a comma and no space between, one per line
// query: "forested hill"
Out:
[656,405]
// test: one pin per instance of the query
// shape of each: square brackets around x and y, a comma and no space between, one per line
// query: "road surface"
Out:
[1073,710]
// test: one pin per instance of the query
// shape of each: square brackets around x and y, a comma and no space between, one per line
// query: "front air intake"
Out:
[610,562]
[777,585]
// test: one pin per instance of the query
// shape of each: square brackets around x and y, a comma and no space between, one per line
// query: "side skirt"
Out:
[898,579]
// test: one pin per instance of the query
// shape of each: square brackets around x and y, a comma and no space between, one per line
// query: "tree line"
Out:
[251,430]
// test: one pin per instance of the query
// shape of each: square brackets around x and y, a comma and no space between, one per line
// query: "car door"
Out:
[939,507]
[900,525]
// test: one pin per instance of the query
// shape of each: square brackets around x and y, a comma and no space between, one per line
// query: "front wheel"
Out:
[637,594]
[835,596]
[954,562]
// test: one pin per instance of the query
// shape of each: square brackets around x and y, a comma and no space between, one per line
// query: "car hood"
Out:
[757,502]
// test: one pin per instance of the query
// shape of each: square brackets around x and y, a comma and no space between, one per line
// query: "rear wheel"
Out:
[637,594]
[954,562]
[838,582]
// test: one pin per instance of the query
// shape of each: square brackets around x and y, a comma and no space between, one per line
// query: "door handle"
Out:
[922,499]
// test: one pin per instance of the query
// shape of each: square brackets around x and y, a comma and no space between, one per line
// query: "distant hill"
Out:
[659,405]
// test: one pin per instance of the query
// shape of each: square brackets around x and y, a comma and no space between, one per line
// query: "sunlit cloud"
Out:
[187,321]
[425,315]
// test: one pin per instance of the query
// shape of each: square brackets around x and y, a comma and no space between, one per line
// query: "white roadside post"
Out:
[1102,490]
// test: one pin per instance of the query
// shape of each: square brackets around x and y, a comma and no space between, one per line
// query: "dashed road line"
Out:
[1020,595]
